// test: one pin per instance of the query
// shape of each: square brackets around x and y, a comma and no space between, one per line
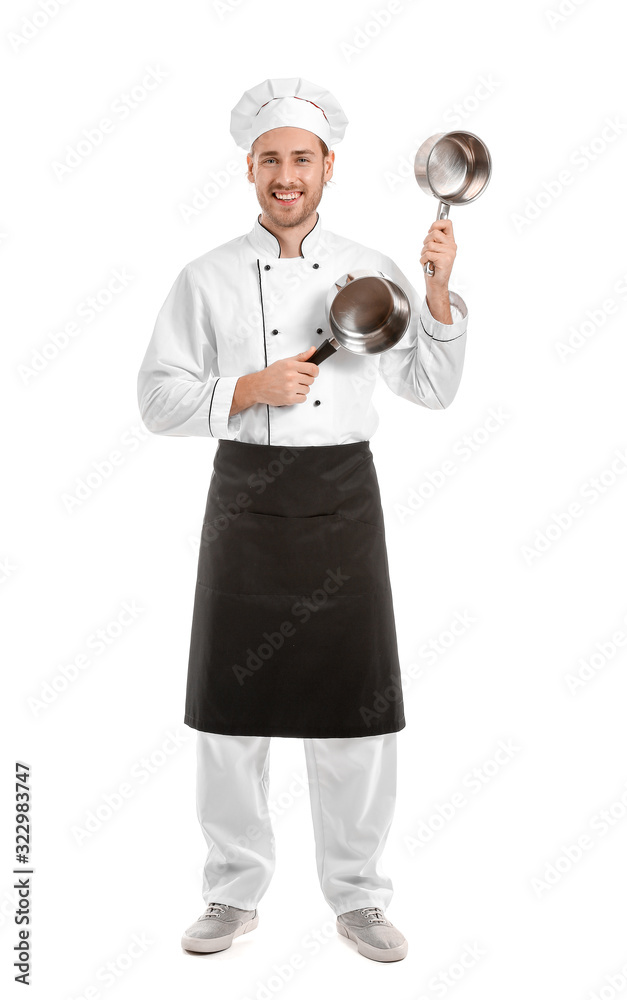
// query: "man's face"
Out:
[289,161]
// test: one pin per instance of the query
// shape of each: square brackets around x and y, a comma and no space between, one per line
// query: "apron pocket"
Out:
[265,555]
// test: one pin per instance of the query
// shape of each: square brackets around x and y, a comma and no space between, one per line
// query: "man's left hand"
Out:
[440,248]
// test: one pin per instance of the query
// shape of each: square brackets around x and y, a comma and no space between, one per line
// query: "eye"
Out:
[303,158]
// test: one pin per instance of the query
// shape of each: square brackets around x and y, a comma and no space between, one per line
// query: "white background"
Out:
[539,256]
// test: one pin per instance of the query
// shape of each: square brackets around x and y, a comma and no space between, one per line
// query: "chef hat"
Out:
[287,101]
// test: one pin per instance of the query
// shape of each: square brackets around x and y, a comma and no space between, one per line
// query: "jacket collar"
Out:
[266,243]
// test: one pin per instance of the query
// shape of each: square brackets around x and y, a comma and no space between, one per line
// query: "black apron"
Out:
[293,630]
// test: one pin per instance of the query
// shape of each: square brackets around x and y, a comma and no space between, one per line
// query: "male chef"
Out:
[293,631]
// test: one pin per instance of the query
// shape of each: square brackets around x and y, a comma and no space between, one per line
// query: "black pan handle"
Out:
[325,350]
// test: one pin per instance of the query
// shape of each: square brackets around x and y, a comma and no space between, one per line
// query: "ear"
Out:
[328,166]
[249,168]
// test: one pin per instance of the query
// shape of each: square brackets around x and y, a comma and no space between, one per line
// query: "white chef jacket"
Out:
[238,308]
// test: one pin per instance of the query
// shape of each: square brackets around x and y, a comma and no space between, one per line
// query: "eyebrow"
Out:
[295,152]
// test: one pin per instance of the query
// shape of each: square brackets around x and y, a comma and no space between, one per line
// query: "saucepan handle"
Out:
[324,351]
[442,214]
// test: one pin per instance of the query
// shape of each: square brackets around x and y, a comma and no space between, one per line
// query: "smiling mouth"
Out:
[287,197]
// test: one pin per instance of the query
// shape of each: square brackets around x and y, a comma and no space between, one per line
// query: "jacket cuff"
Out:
[446,331]
[221,425]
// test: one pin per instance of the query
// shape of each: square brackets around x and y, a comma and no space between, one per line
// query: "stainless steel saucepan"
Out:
[455,168]
[368,313]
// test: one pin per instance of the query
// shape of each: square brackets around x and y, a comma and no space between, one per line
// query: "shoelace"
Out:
[209,911]
[377,914]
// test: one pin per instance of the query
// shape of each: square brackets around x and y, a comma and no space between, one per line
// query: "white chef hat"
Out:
[289,101]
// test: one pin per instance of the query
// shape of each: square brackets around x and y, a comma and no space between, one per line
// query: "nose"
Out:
[287,177]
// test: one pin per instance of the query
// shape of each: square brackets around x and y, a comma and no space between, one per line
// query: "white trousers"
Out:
[352,791]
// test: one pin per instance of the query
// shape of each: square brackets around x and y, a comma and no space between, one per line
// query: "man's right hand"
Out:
[286,381]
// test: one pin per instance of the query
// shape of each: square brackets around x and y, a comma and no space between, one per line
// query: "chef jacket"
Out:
[241,306]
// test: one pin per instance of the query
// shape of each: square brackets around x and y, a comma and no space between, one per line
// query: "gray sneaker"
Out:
[217,926]
[373,934]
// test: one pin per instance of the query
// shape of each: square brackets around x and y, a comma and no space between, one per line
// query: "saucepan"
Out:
[455,168]
[368,313]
